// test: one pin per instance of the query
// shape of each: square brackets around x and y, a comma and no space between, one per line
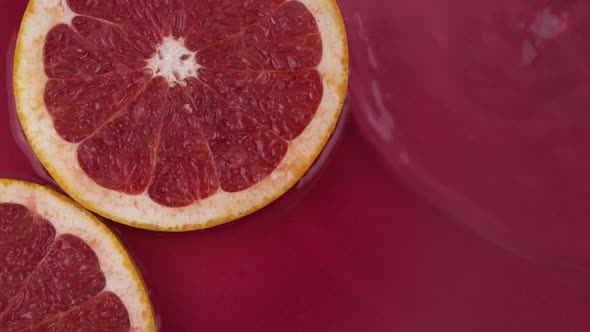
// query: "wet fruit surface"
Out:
[242,85]
[48,282]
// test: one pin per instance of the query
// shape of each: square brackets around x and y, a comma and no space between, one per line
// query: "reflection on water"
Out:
[482,107]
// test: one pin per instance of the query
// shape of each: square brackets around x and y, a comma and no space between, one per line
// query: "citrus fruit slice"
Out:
[181,114]
[61,269]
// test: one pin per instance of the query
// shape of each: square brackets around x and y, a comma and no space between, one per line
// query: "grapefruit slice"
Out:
[61,269]
[182,114]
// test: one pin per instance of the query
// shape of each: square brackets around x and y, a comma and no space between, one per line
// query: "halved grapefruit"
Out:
[61,269]
[181,114]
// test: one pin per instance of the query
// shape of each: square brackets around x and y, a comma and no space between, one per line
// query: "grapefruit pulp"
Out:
[182,114]
[61,269]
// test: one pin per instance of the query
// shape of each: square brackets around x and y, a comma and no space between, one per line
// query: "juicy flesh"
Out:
[181,100]
[49,282]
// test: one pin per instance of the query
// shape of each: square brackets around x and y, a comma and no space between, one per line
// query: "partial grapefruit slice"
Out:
[183,114]
[61,269]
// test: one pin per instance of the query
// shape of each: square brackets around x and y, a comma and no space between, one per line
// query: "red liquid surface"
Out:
[453,197]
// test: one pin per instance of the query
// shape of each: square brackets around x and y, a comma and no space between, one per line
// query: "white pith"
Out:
[60,157]
[173,61]
[69,218]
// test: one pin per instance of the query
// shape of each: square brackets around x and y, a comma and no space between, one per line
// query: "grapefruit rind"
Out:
[60,157]
[67,217]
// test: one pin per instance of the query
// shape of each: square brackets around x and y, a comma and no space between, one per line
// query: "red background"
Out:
[352,248]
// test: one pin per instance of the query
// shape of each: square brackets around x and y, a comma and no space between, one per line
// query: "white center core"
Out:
[173,61]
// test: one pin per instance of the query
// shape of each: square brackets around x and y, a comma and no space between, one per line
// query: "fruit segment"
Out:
[284,102]
[225,19]
[67,54]
[121,155]
[286,41]
[66,277]
[244,150]
[25,239]
[61,269]
[104,312]
[80,106]
[184,169]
